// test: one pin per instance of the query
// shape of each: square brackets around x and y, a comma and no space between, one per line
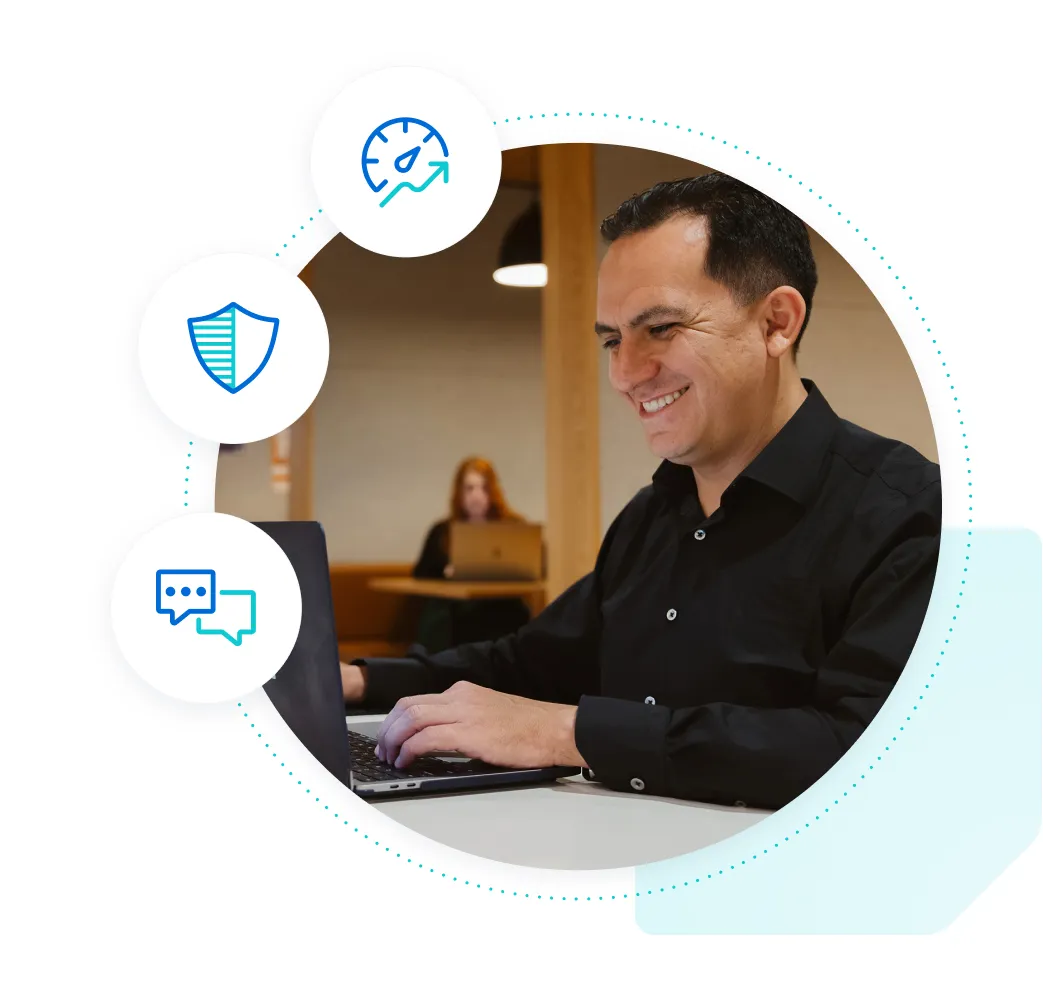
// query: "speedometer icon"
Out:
[404,154]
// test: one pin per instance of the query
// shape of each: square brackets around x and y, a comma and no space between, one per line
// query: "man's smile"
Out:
[656,405]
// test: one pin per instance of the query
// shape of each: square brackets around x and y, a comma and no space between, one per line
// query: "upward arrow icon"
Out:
[441,168]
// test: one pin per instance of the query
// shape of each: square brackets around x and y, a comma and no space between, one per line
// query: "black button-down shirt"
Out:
[733,657]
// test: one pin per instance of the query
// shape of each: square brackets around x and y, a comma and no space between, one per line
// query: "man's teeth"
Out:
[664,401]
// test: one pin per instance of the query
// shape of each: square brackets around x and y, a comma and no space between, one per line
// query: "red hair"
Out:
[498,506]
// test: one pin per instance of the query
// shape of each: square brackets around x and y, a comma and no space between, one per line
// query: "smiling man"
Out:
[752,608]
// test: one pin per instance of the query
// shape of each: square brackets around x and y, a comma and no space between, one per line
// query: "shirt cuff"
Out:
[624,743]
[389,679]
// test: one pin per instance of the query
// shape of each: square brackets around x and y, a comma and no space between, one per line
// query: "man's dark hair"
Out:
[755,245]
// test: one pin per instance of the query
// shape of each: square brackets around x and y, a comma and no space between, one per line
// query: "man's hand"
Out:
[480,723]
[353,681]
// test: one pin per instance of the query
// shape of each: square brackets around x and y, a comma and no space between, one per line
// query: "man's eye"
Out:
[661,328]
[610,342]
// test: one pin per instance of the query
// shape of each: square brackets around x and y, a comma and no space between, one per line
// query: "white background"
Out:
[153,847]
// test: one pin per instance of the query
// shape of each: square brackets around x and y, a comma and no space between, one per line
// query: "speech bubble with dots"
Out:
[180,593]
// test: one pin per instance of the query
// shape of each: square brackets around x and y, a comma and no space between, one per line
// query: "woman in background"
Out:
[476,497]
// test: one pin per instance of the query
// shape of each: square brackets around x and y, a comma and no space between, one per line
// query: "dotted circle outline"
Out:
[293,236]
[188,469]
[938,663]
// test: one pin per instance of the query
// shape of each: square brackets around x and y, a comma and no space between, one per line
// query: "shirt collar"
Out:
[791,463]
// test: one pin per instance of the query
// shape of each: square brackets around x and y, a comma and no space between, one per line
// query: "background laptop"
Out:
[307,693]
[496,550]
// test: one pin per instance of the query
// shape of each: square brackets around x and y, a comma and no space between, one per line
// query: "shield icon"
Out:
[233,345]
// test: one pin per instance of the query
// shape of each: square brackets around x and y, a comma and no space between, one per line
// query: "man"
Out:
[752,608]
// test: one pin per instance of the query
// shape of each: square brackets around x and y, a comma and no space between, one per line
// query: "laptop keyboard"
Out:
[366,766]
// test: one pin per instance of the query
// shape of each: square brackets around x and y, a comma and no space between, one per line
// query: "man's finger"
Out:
[412,719]
[403,704]
[438,737]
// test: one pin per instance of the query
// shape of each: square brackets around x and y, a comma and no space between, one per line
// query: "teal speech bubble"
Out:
[222,613]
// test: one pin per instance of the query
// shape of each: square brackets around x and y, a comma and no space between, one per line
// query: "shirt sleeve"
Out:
[766,757]
[553,658]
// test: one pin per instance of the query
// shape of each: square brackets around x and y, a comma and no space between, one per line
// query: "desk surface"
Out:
[458,589]
[568,824]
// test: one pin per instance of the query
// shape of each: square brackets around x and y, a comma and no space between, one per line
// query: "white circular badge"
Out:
[406,162]
[234,348]
[206,607]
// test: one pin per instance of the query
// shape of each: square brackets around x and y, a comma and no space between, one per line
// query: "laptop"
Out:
[496,550]
[307,693]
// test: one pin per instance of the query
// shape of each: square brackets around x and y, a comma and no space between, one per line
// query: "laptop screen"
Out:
[307,689]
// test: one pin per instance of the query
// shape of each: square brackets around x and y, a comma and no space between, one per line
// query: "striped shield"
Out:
[233,345]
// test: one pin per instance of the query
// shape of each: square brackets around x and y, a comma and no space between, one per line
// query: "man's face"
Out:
[693,365]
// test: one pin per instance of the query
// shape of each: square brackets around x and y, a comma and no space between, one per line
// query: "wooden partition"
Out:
[570,363]
[302,450]
[370,623]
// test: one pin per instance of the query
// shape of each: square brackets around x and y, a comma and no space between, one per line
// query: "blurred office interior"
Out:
[432,360]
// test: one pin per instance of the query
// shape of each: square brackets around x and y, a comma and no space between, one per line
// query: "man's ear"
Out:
[782,316]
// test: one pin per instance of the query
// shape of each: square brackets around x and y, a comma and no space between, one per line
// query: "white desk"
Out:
[568,824]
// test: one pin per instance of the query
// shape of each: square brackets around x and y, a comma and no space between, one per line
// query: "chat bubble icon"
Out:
[235,617]
[180,593]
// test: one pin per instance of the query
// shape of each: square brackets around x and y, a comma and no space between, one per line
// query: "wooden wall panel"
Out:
[520,166]
[302,451]
[570,363]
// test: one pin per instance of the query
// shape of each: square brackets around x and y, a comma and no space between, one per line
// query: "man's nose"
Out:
[632,364]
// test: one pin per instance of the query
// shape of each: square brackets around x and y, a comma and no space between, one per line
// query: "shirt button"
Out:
[672,614]
[700,535]
[637,785]
[649,701]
